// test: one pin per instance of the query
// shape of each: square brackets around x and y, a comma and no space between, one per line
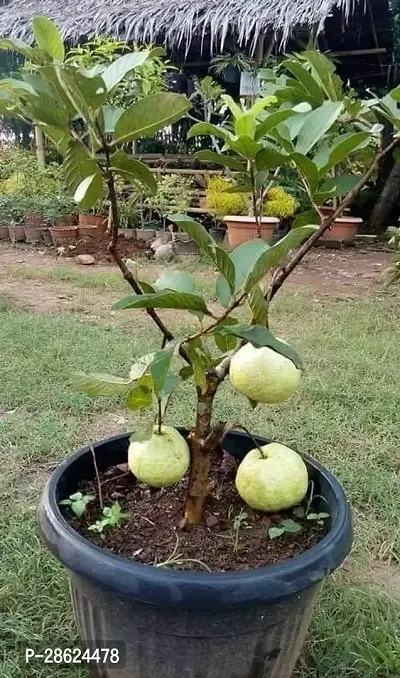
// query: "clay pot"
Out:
[342,230]
[89,232]
[4,233]
[130,233]
[17,233]
[241,229]
[327,210]
[33,234]
[67,221]
[46,235]
[93,220]
[183,244]
[34,220]
[63,236]
[145,234]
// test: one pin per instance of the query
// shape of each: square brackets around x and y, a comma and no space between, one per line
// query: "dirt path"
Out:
[329,272]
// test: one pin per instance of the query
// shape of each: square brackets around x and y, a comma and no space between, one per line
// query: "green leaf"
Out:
[271,122]
[102,384]
[245,125]
[59,138]
[324,69]
[260,336]
[199,366]
[111,114]
[275,254]
[244,146]
[258,306]
[275,532]
[306,218]
[170,384]
[77,163]
[166,299]
[139,398]
[85,93]
[159,367]
[234,108]
[307,169]
[17,45]
[179,281]
[133,170]
[78,507]
[269,158]
[220,159]
[206,129]
[261,104]
[290,525]
[221,260]
[343,148]
[48,38]
[395,93]
[335,186]
[143,434]
[89,191]
[243,259]
[304,77]
[117,70]
[316,124]
[225,342]
[150,115]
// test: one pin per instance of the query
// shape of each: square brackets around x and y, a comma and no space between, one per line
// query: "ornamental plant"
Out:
[304,127]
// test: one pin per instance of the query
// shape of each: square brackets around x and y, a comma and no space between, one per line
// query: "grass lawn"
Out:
[346,414]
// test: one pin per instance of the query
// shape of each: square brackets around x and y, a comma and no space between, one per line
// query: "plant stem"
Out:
[255,201]
[201,451]
[284,272]
[113,249]
[159,415]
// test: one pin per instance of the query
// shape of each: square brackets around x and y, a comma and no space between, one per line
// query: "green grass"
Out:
[346,414]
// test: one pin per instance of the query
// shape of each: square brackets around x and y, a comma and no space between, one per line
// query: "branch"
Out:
[284,272]
[113,249]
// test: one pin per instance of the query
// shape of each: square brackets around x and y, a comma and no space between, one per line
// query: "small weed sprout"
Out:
[78,503]
[112,517]
[239,523]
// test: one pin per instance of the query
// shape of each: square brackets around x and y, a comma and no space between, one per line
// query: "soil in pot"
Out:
[241,229]
[33,234]
[17,233]
[63,236]
[151,534]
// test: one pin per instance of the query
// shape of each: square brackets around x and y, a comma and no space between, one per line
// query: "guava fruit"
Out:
[160,461]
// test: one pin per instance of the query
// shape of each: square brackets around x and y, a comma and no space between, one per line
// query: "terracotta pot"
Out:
[63,236]
[17,233]
[34,220]
[4,234]
[33,234]
[93,220]
[145,234]
[327,210]
[89,232]
[342,230]
[241,229]
[67,221]
[183,244]
[46,235]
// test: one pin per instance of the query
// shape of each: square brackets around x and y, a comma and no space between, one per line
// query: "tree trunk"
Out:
[381,216]
[39,140]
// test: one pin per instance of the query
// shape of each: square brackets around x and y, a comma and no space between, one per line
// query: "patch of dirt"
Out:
[386,576]
[151,534]
[352,270]
[98,247]
[39,295]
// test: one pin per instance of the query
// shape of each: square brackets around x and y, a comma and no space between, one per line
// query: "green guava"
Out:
[274,480]
[263,375]
[160,461]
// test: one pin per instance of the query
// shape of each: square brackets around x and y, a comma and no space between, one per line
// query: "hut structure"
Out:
[357,32]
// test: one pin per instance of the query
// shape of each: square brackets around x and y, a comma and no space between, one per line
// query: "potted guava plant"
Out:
[137,519]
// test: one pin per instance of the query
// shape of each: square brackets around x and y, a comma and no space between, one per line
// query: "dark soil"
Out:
[98,247]
[153,532]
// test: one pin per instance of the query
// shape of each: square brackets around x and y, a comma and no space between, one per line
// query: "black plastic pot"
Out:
[177,624]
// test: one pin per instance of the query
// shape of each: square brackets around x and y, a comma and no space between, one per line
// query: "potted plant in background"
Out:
[173,194]
[165,604]
[59,213]
[12,212]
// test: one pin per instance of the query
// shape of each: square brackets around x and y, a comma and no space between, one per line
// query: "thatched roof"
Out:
[174,22]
